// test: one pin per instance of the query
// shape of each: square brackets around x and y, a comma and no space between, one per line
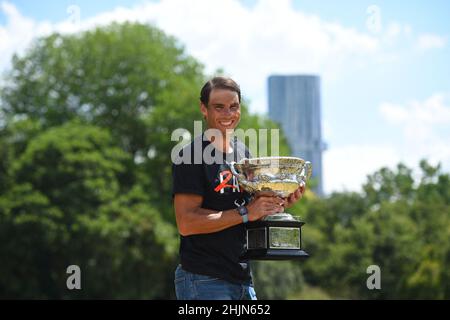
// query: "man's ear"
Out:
[203,109]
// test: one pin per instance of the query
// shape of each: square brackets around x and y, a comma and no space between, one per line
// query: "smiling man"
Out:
[210,207]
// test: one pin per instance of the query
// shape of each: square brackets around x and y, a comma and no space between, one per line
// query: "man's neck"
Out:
[222,143]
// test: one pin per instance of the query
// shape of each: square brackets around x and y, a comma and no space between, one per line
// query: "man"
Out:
[211,208]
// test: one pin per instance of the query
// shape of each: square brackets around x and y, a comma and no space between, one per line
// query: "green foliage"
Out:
[399,224]
[4,164]
[13,141]
[32,237]
[71,191]
[276,279]
[131,79]
[113,77]
[310,293]
[133,245]
[80,158]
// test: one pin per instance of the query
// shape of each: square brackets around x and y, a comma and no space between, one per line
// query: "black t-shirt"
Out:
[213,254]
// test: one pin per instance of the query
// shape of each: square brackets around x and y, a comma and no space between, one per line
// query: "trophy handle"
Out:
[234,172]
[240,176]
[308,169]
[305,173]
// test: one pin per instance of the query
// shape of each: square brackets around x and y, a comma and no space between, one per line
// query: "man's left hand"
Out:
[294,197]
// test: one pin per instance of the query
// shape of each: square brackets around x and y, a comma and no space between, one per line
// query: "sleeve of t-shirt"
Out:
[188,178]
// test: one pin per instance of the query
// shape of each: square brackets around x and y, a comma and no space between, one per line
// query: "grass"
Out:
[310,293]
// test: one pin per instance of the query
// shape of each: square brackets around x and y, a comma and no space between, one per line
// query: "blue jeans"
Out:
[191,286]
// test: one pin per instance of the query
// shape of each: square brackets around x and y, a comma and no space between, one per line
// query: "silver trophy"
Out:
[277,236]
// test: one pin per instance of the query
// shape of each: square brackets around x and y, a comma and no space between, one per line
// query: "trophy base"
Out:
[273,254]
[274,240]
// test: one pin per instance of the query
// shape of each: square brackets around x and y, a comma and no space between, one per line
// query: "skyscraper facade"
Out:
[294,102]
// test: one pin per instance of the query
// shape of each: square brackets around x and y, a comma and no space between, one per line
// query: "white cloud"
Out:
[347,167]
[432,111]
[252,43]
[430,41]
[424,131]
[17,33]
[424,127]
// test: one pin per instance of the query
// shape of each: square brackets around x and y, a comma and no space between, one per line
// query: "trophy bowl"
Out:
[280,175]
[276,236]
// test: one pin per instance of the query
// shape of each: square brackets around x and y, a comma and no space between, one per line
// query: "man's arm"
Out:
[192,219]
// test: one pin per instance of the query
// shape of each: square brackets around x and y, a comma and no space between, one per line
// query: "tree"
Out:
[398,223]
[72,190]
[276,279]
[113,76]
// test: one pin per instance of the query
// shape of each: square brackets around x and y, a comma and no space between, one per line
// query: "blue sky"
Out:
[431,16]
[385,92]
[57,10]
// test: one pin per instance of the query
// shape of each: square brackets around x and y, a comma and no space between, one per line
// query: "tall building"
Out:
[294,102]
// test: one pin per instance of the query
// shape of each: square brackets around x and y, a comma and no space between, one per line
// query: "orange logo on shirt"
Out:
[225,177]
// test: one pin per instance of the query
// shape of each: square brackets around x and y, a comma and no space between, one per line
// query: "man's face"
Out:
[223,111]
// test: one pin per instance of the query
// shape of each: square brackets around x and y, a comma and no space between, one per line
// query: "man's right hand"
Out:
[264,205]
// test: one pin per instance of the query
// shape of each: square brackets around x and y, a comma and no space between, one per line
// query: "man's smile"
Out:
[226,123]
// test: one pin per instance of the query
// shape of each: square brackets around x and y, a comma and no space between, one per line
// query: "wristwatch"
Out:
[243,211]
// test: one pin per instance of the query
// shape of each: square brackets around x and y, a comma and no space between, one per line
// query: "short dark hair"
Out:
[218,83]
